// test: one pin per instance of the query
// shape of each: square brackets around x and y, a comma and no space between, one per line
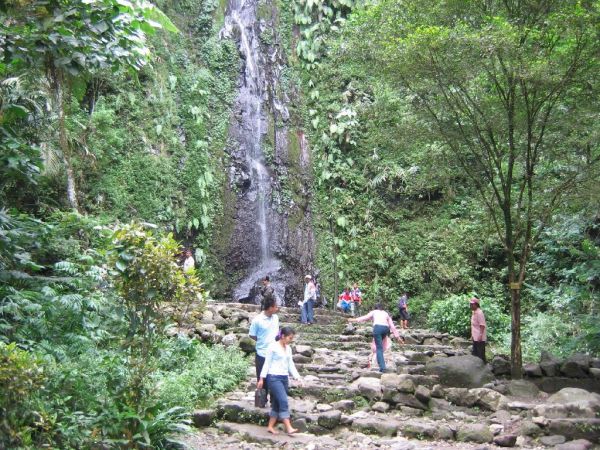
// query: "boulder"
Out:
[489,399]
[380,407]
[576,428]
[419,429]
[329,419]
[549,364]
[305,350]
[403,399]
[528,428]
[301,359]
[461,396]
[370,388]
[579,444]
[460,371]
[423,394]
[247,344]
[203,417]
[571,395]
[444,433]
[344,405]
[500,365]
[522,388]
[553,440]
[229,340]
[474,432]
[532,370]
[375,425]
[505,440]
[576,366]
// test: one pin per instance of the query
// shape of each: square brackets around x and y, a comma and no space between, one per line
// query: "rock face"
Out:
[266,227]
[460,371]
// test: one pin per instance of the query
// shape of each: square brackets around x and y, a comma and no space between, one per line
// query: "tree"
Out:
[70,39]
[506,87]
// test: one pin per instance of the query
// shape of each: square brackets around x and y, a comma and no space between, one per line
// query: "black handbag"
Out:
[260,398]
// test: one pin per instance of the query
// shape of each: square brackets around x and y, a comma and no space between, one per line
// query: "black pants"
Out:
[479,350]
[259,362]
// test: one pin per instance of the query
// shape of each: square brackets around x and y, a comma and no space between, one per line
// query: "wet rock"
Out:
[475,432]
[576,366]
[460,371]
[555,439]
[203,418]
[522,388]
[505,440]
[247,344]
[329,419]
[500,365]
[579,444]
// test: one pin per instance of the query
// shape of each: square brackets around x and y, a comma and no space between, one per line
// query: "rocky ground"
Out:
[435,396]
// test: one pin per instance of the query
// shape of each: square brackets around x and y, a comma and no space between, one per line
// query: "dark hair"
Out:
[269,302]
[287,331]
[378,306]
[267,278]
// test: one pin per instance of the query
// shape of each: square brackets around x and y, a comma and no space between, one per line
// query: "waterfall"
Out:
[241,20]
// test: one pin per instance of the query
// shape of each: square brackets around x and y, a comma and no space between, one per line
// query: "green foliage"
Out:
[207,372]
[21,376]
[453,315]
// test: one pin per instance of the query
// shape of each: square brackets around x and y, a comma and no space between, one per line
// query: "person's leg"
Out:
[259,362]
[284,409]
[275,390]
[303,317]
[310,312]
[479,350]
[378,332]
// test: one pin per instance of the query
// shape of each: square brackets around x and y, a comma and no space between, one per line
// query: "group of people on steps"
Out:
[274,362]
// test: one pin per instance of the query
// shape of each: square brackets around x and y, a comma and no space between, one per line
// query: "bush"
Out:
[209,372]
[453,315]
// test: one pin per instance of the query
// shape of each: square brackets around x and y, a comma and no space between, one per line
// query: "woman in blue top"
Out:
[278,365]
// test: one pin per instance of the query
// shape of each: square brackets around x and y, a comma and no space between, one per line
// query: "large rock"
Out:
[500,365]
[490,399]
[505,440]
[522,388]
[369,387]
[419,429]
[570,395]
[305,350]
[576,428]
[532,370]
[460,371]
[549,364]
[461,396]
[203,418]
[329,419]
[247,344]
[579,444]
[576,366]
[474,432]
[375,425]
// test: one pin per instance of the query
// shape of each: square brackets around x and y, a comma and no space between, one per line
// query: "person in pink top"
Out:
[478,329]
[382,325]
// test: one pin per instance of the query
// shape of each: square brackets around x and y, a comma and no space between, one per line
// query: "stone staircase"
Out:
[344,404]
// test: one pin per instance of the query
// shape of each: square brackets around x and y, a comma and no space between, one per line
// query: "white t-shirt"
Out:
[279,362]
[188,264]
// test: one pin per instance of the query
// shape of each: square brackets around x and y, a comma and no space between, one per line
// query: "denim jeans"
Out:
[306,313]
[379,332]
[278,387]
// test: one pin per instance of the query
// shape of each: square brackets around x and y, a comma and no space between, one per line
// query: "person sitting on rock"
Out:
[345,300]
[382,325]
[275,372]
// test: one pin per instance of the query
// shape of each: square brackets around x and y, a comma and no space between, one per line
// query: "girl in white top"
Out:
[382,325]
[278,365]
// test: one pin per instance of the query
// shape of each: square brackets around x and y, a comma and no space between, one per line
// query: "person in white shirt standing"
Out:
[382,325]
[263,330]
[276,370]
[188,264]
[478,329]
[307,314]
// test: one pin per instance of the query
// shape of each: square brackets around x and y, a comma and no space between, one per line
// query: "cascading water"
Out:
[241,19]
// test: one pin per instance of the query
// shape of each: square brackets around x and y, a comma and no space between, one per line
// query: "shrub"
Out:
[453,315]
[209,372]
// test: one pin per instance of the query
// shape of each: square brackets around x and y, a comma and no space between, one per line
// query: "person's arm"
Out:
[253,332]
[362,318]
[265,368]
[291,366]
[393,327]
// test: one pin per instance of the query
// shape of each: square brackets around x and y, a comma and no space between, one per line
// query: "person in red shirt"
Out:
[356,296]
[345,300]
[478,329]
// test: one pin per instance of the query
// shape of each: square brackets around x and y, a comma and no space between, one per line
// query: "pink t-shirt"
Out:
[478,319]
[380,318]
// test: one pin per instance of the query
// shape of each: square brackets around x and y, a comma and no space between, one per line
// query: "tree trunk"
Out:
[516,360]
[71,189]
[334,265]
